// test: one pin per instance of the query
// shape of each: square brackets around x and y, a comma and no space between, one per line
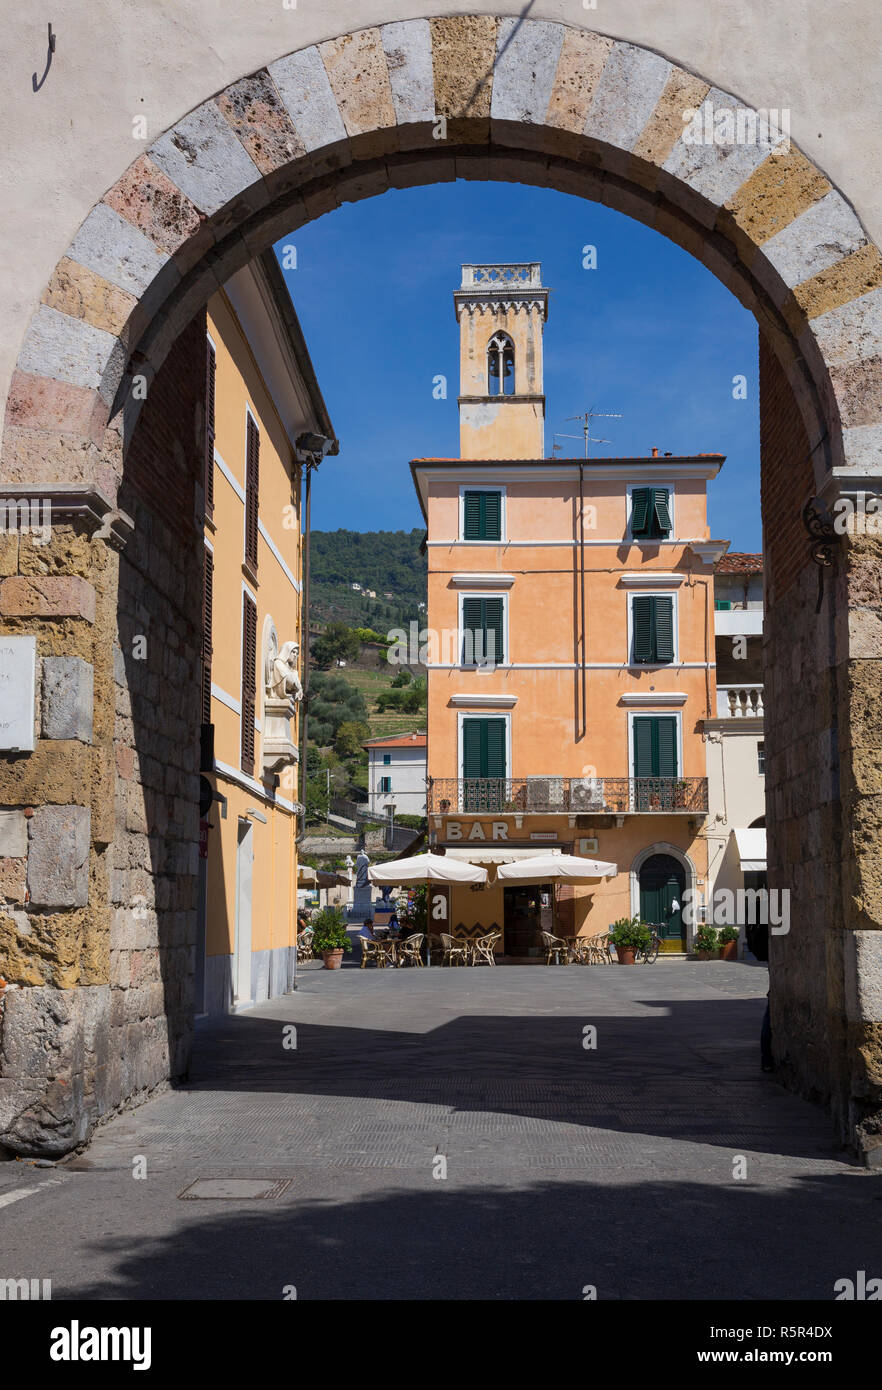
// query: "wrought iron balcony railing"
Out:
[566,795]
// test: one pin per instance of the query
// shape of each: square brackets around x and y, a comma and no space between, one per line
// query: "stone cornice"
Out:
[89,505]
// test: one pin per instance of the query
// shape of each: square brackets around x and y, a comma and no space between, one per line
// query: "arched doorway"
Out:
[661,885]
[482,97]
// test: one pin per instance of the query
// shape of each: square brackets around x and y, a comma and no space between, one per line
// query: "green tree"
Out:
[337,643]
[331,701]
[403,678]
[351,734]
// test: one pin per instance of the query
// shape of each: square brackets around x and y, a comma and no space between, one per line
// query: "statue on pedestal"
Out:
[282,694]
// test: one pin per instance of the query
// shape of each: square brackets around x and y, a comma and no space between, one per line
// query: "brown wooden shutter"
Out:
[249,679]
[210,373]
[252,493]
[207,603]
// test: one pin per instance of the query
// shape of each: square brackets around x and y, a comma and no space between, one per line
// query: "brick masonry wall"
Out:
[156,734]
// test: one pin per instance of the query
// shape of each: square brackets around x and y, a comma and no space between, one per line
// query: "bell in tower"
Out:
[501,311]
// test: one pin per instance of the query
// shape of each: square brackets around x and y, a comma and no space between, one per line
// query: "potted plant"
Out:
[629,935]
[705,943]
[728,939]
[330,937]
[681,787]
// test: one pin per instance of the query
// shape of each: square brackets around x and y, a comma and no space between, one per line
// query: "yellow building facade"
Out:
[265,419]
[571,661]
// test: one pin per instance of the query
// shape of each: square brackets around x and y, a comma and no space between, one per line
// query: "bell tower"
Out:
[501,311]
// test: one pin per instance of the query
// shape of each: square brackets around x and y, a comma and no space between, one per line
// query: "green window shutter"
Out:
[495,747]
[640,499]
[472,740]
[662,511]
[492,515]
[643,761]
[642,619]
[483,748]
[471,629]
[655,747]
[482,516]
[471,516]
[666,736]
[494,636]
[722,605]
[664,629]
[483,631]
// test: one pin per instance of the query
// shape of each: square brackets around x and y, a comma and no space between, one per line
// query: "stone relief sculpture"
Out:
[284,679]
[282,694]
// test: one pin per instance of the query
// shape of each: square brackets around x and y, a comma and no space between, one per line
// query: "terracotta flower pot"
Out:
[729,950]
[627,955]
[705,955]
[333,959]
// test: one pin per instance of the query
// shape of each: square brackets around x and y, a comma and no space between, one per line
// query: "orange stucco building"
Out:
[571,659]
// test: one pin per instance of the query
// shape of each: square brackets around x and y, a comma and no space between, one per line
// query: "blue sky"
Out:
[650,333]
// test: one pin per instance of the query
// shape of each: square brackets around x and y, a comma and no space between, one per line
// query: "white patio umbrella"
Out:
[426,868]
[557,868]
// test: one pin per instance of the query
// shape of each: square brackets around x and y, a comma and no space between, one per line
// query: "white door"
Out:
[242,950]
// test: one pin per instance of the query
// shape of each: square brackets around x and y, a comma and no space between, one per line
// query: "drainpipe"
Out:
[582,598]
[309,449]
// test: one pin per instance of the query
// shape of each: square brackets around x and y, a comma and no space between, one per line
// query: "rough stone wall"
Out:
[823,682]
[56,829]
[99,825]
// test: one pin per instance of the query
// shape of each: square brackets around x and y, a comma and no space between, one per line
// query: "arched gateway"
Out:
[411,102]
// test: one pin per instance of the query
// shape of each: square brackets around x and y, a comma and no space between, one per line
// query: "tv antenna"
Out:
[587,418]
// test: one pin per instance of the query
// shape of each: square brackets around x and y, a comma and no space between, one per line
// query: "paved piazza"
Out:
[567,1166]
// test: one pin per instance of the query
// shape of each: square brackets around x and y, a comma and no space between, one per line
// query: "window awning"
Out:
[751,848]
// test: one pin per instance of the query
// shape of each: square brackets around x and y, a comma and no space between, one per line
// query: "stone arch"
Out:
[674,851]
[477,96]
[469,96]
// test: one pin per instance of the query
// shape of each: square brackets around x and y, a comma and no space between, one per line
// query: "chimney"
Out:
[654,451]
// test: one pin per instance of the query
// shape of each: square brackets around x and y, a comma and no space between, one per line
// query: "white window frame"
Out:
[461,717]
[460,631]
[483,487]
[675,623]
[660,713]
[642,540]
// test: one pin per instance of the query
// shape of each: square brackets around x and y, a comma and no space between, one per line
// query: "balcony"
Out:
[740,701]
[493,796]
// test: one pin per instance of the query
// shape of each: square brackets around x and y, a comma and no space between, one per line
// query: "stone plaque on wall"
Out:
[18,665]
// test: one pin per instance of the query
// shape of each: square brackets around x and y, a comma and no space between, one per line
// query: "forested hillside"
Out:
[387,562]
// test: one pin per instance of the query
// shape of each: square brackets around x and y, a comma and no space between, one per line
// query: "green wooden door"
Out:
[483,764]
[663,882]
[655,761]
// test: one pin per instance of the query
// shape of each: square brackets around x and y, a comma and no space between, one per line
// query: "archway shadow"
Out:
[518,1239]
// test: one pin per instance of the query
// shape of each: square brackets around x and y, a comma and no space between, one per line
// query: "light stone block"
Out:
[626,95]
[863,976]
[66,349]
[13,835]
[715,172]
[825,233]
[305,89]
[114,249]
[408,48]
[203,157]
[526,63]
[851,332]
[68,686]
[58,856]
[18,667]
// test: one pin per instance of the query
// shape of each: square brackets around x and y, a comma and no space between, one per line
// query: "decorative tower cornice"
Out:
[499,288]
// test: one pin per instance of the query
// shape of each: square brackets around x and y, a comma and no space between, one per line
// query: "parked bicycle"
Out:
[648,955]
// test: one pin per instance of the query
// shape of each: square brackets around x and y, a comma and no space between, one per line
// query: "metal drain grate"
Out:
[237,1189]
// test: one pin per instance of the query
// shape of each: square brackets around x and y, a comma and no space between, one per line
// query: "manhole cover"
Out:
[241,1189]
